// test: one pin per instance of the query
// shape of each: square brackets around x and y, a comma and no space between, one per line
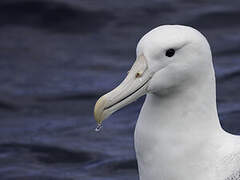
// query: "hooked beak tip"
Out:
[99,109]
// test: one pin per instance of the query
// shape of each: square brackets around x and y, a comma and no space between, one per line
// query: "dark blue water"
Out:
[57,57]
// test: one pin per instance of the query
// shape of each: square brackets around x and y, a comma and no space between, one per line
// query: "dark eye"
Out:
[170,52]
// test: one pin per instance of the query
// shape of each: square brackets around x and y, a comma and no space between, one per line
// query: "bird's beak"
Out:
[134,86]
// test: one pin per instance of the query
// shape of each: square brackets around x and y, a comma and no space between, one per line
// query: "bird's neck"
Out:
[172,128]
[192,108]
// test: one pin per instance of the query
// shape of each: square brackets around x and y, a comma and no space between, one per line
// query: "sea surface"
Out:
[58,57]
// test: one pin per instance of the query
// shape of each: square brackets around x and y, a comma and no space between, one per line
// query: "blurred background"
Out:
[56,59]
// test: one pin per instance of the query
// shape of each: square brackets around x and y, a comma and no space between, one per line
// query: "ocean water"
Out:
[58,57]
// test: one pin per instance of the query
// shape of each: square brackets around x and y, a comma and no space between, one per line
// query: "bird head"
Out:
[168,58]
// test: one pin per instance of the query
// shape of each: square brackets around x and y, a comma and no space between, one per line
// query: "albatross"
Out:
[178,135]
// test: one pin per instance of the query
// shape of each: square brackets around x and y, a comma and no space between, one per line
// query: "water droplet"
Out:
[98,128]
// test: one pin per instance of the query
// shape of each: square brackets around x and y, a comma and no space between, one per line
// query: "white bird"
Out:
[178,135]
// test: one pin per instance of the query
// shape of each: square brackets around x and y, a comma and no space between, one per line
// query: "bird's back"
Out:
[228,166]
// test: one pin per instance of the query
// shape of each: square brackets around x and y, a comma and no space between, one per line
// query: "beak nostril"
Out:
[138,74]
